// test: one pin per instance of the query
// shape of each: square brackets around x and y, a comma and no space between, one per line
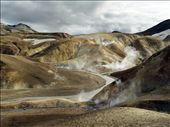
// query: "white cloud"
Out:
[86,16]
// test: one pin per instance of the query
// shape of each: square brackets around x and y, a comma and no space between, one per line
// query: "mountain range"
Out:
[162,26]
[100,79]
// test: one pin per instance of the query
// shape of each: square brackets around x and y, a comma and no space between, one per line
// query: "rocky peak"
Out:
[17,28]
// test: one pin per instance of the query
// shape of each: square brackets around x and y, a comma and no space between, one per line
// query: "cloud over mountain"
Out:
[85,16]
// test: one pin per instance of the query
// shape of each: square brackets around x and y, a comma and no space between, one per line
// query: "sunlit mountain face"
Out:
[68,64]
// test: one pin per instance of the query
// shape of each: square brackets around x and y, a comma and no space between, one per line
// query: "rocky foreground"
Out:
[101,79]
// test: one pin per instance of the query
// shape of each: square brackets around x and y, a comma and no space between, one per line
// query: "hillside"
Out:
[99,79]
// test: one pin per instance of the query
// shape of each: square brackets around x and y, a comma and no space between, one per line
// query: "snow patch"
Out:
[37,41]
[162,35]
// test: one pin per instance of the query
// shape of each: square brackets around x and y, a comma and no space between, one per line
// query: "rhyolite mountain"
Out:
[93,52]
[60,79]
[141,86]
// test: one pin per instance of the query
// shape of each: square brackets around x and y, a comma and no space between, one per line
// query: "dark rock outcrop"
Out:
[165,25]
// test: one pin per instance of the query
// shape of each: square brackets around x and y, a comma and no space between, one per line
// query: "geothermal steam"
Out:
[86,96]
[126,94]
[131,60]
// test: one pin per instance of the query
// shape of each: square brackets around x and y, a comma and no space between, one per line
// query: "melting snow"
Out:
[37,41]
